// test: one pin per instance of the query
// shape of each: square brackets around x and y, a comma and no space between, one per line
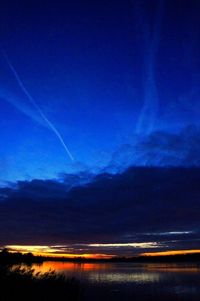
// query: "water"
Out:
[132,281]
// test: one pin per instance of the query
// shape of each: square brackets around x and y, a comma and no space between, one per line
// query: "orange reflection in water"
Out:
[69,266]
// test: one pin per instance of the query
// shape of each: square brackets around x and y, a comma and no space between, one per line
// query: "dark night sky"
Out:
[117,83]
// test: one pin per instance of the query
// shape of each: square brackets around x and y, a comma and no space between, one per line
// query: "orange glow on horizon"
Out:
[167,253]
[55,251]
[66,255]
[47,251]
[71,255]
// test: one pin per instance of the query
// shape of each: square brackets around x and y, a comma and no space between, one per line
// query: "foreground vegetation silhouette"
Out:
[18,283]
[23,284]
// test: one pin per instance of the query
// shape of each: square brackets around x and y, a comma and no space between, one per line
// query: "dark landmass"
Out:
[139,259]
[8,258]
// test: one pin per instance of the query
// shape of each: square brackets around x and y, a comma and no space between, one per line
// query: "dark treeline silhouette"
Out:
[7,257]
[137,259]
[195,257]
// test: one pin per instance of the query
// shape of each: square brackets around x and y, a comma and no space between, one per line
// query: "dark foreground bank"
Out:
[22,284]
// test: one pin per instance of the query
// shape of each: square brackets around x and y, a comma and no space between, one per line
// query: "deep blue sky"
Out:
[91,66]
[119,81]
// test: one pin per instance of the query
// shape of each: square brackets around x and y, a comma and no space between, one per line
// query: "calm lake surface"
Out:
[132,281]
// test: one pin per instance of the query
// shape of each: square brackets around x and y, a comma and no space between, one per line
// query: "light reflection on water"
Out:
[119,272]
[131,281]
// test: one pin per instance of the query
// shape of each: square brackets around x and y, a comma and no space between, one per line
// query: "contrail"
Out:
[31,99]
[151,102]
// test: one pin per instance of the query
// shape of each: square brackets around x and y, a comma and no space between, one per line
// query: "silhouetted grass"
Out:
[23,284]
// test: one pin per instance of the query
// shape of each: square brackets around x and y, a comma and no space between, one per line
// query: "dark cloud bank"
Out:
[135,206]
[160,148]
[140,204]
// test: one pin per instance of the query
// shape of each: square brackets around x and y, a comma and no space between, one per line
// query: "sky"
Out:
[99,125]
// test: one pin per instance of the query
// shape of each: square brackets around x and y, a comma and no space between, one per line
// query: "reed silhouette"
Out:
[23,284]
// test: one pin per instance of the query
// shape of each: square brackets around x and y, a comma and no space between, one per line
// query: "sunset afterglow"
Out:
[172,252]
[63,251]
